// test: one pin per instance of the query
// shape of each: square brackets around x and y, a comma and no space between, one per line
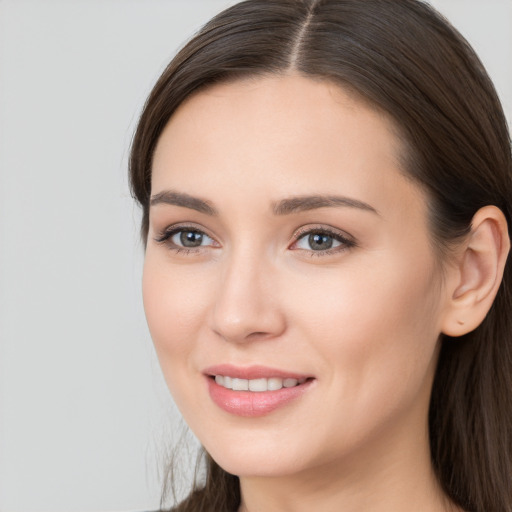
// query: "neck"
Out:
[395,475]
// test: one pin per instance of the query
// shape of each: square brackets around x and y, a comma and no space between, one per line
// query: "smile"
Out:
[256,390]
[257,385]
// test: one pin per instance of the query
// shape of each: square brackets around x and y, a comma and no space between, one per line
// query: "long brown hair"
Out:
[405,59]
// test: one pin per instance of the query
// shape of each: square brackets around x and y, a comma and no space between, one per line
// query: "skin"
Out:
[363,318]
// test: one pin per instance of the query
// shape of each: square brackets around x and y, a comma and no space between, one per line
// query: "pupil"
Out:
[321,242]
[191,238]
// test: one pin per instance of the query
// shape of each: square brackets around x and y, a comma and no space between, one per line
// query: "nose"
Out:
[247,306]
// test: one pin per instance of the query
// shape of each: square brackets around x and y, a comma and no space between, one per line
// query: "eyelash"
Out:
[345,242]
[166,235]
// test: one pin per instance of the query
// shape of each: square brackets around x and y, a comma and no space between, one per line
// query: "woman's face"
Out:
[288,254]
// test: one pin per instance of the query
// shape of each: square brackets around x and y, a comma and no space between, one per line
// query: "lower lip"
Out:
[254,403]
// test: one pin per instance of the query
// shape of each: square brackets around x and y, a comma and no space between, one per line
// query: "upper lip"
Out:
[252,372]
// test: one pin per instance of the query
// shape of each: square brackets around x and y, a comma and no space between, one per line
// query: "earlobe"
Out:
[478,272]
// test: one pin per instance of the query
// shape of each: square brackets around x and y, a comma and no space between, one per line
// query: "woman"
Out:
[326,191]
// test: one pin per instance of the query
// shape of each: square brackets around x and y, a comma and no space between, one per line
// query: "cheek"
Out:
[173,302]
[371,334]
[375,327]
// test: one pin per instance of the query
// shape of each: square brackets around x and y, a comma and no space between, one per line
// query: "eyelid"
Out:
[347,241]
[322,228]
[164,236]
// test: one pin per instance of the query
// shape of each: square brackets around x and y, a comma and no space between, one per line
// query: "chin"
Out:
[256,467]
[263,459]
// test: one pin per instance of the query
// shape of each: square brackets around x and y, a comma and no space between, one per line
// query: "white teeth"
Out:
[274,384]
[240,385]
[257,385]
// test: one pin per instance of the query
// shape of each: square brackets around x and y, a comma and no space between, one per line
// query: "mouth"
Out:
[257,385]
[254,391]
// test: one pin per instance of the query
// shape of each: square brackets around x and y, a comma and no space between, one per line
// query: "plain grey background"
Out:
[84,414]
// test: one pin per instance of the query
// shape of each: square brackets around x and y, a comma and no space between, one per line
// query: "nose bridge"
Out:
[245,306]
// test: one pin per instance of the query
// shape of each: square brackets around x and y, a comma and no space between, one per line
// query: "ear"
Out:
[476,276]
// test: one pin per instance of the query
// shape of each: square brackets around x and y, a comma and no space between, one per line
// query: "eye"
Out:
[183,238]
[190,239]
[321,241]
[317,242]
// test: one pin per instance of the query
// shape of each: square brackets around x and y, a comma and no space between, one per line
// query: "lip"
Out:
[254,404]
[252,372]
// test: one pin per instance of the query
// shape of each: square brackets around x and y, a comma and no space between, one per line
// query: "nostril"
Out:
[258,334]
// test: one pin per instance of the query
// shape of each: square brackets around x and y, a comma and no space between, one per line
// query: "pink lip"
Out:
[252,372]
[253,404]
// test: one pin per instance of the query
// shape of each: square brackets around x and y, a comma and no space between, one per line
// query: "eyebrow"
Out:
[184,200]
[283,207]
[304,203]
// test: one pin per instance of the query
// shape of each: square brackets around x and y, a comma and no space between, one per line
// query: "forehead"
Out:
[280,135]
[294,100]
